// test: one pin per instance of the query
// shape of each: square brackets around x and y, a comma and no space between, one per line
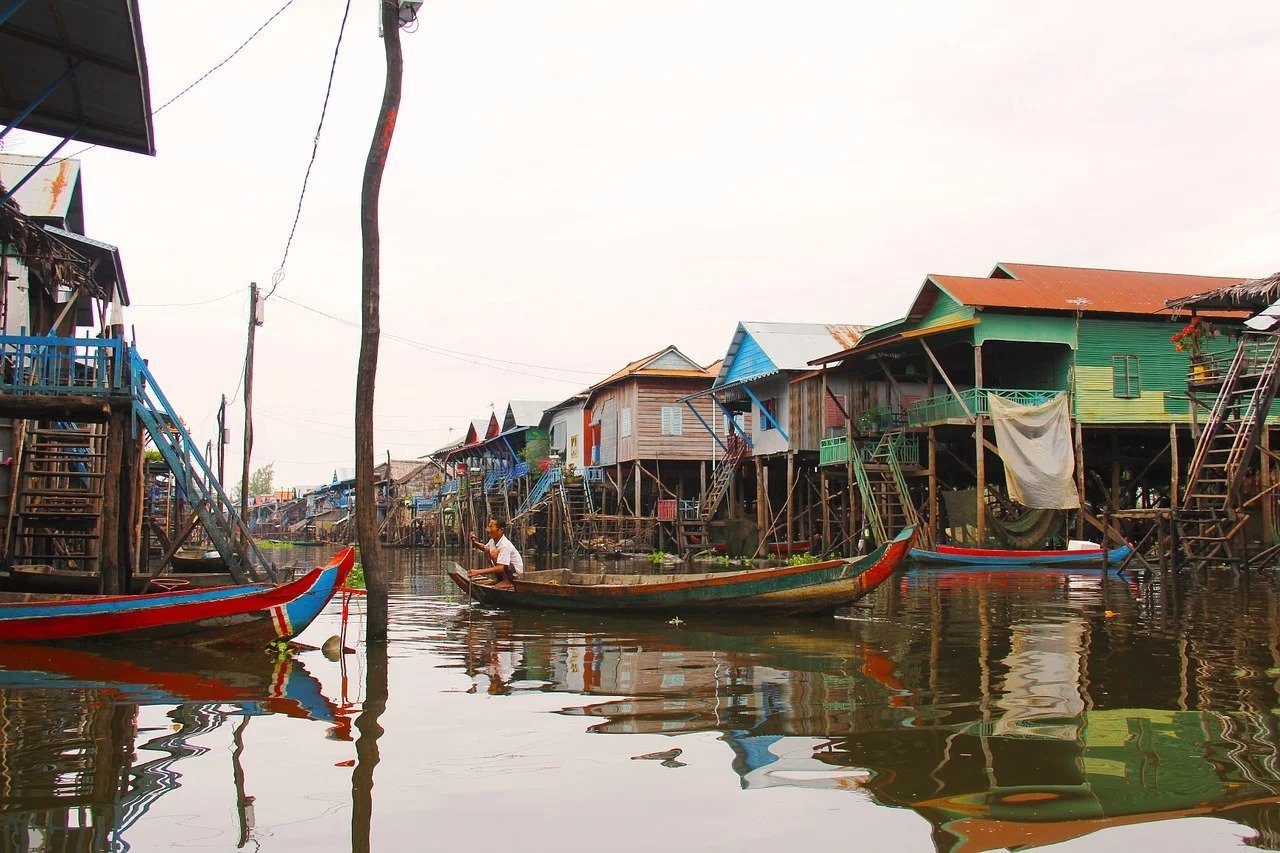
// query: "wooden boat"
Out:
[1087,558]
[249,614]
[780,549]
[48,579]
[788,590]
[198,562]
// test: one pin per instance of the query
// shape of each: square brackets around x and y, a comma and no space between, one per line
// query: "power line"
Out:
[187,304]
[278,275]
[498,363]
[203,76]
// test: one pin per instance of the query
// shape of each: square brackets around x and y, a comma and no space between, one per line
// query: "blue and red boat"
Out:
[1083,558]
[252,614]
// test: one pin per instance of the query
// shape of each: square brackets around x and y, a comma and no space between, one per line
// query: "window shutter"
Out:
[835,417]
[672,420]
[1126,377]
[624,426]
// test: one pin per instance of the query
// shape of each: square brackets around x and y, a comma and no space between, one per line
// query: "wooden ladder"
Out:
[59,503]
[1211,515]
[735,449]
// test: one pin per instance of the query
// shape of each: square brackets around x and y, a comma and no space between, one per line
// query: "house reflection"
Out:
[1002,720]
[70,774]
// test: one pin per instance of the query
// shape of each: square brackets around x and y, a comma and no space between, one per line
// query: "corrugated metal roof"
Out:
[638,366]
[791,346]
[109,91]
[525,413]
[50,193]
[109,272]
[1047,288]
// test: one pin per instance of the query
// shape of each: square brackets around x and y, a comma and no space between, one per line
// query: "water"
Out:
[955,711]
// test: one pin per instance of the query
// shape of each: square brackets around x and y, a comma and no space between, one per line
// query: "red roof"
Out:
[1046,288]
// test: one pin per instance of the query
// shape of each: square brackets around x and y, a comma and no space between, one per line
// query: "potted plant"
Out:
[1191,339]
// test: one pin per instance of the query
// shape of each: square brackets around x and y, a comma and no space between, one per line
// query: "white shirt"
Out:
[507,554]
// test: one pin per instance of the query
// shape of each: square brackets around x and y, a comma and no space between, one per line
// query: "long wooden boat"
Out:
[48,579]
[248,614]
[788,590]
[1088,558]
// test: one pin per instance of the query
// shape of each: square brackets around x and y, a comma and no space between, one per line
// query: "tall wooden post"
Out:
[931,532]
[854,497]
[109,546]
[1080,480]
[979,433]
[370,330]
[1115,471]
[826,509]
[791,478]
[1268,503]
[248,408]
[1173,465]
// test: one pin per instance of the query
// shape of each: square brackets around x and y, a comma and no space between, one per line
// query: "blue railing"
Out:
[540,490]
[45,364]
[221,518]
[515,472]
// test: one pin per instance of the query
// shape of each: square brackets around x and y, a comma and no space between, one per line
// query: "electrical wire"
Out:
[278,275]
[498,363]
[187,304]
[198,80]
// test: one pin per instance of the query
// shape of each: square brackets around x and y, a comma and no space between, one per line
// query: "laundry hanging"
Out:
[1035,446]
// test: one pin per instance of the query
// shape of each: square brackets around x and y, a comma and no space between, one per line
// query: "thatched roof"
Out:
[1253,295]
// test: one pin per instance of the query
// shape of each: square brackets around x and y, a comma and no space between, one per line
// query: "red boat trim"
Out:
[996,552]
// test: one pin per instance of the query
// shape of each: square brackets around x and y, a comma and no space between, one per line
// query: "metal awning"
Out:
[108,273]
[730,386]
[81,62]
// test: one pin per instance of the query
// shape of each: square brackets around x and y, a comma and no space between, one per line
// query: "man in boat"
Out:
[505,561]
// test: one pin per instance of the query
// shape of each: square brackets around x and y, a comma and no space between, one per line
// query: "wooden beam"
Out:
[82,408]
[979,430]
[977,375]
[931,527]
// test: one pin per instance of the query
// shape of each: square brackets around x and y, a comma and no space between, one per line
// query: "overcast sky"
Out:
[576,183]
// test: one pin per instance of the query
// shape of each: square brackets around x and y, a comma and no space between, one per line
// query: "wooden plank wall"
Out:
[647,397]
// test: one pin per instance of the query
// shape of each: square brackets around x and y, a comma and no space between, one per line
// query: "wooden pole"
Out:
[979,433]
[1115,471]
[932,531]
[854,497]
[1268,504]
[1080,516]
[370,330]
[791,479]
[1173,465]
[248,407]
[825,497]
[109,544]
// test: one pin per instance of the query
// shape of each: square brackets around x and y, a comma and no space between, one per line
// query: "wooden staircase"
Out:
[735,449]
[58,513]
[886,500]
[1212,513]
[575,503]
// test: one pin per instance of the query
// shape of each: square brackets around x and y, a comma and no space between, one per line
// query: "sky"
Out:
[575,184]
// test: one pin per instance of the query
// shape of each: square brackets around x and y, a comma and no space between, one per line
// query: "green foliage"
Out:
[657,558]
[803,560]
[355,580]
[268,544]
[153,456]
[535,451]
[724,561]
[260,482]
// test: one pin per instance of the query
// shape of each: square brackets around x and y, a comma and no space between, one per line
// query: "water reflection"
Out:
[1009,710]
[72,776]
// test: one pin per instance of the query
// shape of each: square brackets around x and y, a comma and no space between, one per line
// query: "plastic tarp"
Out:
[1032,530]
[1035,446]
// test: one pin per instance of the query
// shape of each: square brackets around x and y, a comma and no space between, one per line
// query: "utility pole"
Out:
[255,320]
[222,443]
[375,572]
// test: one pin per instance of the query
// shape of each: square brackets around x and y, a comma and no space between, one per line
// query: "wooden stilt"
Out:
[1115,471]
[980,457]
[825,497]
[931,525]
[1173,465]
[1080,516]
[109,544]
[1267,478]
[791,479]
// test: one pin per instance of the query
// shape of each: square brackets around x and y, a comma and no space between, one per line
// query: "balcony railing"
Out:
[44,364]
[879,419]
[835,451]
[946,407]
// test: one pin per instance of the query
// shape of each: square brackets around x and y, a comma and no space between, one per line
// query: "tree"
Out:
[370,302]
[261,482]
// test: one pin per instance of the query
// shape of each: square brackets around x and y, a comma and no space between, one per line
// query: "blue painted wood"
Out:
[764,413]
[749,361]
[745,433]
[125,604]
[705,425]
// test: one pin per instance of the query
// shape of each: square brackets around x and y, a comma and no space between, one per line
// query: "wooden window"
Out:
[624,422]
[1126,377]
[672,420]
[771,406]
[835,415]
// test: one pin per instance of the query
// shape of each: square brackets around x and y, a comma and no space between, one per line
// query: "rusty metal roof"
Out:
[109,91]
[1048,288]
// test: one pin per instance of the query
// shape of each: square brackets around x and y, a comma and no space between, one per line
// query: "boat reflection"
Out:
[1005,722]
[70,736]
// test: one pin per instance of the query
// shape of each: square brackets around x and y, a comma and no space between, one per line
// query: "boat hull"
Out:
[250,614]
[45,579]
[951,556]
[787,590]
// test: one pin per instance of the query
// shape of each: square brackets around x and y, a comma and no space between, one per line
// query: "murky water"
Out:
[955,711]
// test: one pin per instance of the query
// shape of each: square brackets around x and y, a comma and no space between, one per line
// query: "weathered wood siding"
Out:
[648,397]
